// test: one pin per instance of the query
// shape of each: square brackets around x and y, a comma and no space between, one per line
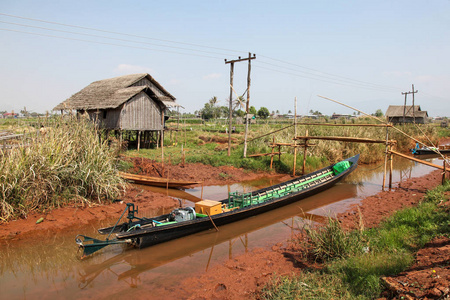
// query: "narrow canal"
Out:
[48,268]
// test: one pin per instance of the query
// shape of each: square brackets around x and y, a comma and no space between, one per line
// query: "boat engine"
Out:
[182,214]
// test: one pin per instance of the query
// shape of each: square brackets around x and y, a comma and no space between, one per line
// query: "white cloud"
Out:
[124,69]
[212,76]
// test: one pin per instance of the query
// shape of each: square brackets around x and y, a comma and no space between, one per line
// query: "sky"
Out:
[361,53]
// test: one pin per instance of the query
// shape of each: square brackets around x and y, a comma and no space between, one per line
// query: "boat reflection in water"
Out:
[203,248]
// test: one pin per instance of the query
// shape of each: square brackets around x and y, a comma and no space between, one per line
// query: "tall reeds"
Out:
[63,163]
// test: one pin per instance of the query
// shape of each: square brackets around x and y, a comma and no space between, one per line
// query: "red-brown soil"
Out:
[244,275]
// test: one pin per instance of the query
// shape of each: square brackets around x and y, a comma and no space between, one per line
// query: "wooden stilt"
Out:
[138,140]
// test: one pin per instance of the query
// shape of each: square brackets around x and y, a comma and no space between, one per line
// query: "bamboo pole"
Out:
[419,161]
[295,160]
[265,154]
[304,153]
[444,174]
[391,163]
[271,158]
[385,160]
[295,134]
[345,139]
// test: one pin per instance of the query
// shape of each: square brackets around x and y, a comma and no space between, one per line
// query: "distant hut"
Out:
[135,102]
[399,114]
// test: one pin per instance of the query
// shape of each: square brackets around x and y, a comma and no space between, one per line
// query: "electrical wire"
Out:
[118,33]
[105,43]
[313,74]
[322,80]
[109,38]
[314,70]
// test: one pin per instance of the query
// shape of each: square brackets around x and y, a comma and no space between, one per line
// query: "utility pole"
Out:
[231,62]
[404,107]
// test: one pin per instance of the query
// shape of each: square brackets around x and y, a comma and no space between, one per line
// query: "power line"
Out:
[118,33]
[326,77]
[323,80]
[350,81]
[110,38]
[105,43]
[330,74]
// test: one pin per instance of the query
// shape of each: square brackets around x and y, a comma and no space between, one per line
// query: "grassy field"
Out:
[207,143]
[71,163]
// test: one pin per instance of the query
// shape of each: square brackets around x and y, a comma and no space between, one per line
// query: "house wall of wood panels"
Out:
[109,118]
[140,113]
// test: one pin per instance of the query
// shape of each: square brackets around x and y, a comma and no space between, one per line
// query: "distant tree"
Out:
[289,112]
[207,111]
[278,112]
[379,113]
[224,111]
[252,110]
[263,113]
[239,113]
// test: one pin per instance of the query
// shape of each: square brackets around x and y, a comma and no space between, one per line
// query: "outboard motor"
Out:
[182,214]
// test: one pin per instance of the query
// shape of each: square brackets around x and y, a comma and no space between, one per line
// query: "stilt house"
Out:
[399,114]
[135,102]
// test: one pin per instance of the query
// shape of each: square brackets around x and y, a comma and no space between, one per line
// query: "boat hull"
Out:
[154,235]
[428,152]
[156,181]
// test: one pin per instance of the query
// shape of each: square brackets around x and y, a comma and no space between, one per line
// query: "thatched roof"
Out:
[111,93]
[397,111]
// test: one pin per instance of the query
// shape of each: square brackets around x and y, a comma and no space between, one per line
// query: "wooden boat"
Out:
[430,150]
[155,181]
[207,214]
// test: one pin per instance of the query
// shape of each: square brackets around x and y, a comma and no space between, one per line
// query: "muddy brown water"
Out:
[49,267]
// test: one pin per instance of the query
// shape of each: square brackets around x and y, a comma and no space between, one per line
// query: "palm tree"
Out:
[239,102]
[212,103]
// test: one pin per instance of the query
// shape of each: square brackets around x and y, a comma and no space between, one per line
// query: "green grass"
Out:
[352,271]
[200,144]
[307,285]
